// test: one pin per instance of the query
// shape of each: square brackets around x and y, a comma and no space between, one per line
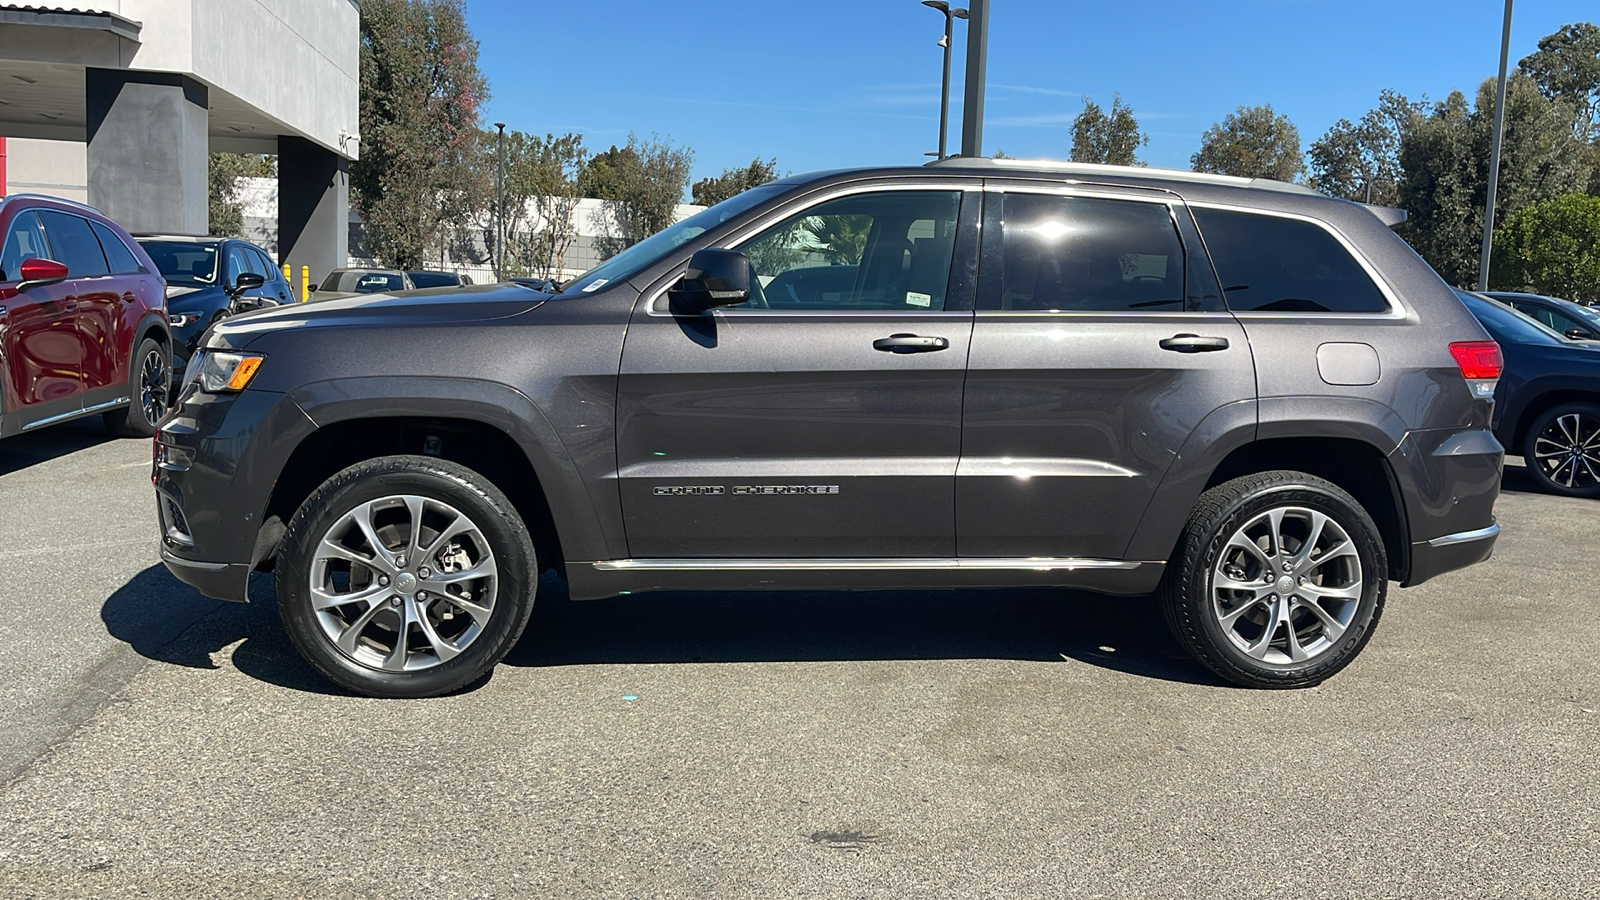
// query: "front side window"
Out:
[120,258]
[1067,254]
[74,242]
[887,251]
[24,240]
[183,263]
[1277,264]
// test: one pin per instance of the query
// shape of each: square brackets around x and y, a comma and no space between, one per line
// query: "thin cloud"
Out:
[777,107]
[1030,89]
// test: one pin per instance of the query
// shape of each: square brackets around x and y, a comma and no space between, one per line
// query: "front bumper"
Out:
[216,460]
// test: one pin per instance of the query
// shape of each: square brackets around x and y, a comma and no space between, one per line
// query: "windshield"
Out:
[627,263]
[184,263]
[427,279]
[1506,325]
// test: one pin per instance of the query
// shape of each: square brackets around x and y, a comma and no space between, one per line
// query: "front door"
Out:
[41,352]
[807,423]
[1100,346]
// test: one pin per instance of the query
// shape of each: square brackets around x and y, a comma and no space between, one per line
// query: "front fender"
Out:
[578,522]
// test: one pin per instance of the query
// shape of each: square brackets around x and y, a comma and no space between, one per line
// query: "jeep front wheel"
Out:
[1278,581]
[406,576]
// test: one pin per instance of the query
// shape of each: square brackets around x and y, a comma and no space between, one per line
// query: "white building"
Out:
[118,103]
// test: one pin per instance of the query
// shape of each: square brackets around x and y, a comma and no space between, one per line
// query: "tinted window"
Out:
[884,251]
[374,282]
[434,279]
[238,262]
[183,263]
[1506,325]
[74,243]
[1276,264]
[121,259]
[265,264]
[1088,253]
[24,240]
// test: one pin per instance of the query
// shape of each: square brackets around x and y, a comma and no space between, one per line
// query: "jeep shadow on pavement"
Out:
[1249,399]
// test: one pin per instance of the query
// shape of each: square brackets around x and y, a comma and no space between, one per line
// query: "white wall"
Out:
[57,168]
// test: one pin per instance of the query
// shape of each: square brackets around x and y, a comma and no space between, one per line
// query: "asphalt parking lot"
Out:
[890,745]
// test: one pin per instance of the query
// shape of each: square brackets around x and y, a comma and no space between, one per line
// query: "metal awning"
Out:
[110,22]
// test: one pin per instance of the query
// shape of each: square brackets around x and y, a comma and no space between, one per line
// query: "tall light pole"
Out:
[500,202]
[1494,154]
[950,17]
[977,77]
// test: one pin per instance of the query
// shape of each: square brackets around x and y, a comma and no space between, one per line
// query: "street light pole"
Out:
[499,202]
[1494,154]
[977,77]
[950,16]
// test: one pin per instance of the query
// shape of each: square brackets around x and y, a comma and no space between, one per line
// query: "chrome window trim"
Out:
[1397,309]
[757,226]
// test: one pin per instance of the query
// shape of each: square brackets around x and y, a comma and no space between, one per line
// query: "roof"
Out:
[1058,167]
[63,17]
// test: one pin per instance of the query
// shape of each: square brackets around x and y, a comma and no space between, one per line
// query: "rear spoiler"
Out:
[1388,215]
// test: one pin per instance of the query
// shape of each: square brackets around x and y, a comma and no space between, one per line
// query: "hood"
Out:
[434,306]
[187,299]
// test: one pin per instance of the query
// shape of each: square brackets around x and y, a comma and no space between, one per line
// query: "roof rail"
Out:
[1055,166]
[61,200]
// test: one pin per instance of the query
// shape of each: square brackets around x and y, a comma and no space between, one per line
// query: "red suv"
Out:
[83,325]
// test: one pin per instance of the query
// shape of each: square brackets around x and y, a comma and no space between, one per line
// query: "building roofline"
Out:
[57,17]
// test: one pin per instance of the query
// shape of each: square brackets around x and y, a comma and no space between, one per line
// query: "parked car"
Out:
[351,282]
[1572,320]
[1092,408]
[209,279]
[83,327]
[1547,406]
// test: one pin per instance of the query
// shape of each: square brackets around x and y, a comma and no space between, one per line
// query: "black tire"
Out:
[451,486]
[1191,594]
[1562,446]
[149,402]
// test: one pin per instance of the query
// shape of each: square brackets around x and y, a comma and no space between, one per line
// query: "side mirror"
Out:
[714,278]
[1579,334]
[36,272]
[248,280]
[312,288]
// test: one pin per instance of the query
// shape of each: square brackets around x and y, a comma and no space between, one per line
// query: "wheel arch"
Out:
[1547,397]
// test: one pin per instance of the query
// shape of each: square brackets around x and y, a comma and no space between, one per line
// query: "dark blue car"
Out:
[203,284]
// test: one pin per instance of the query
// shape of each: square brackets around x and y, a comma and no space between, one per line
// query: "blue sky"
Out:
[828,83]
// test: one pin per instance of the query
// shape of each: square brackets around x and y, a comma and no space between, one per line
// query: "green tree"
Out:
[732,182]
[1567,67]
[420,148]
[1445,164]
[1551,247]
[540,193]
[223,209]
[1251,142]
[1361,160]
[1111,138]
[645,180]
[842,239]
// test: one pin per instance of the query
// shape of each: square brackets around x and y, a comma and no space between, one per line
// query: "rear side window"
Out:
[74,242]
[1277,264]
[118,256]
[1090,253]
[24,240]
[272,272]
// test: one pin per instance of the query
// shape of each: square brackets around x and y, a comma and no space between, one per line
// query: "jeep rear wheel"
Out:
[1278,582]
[406,576]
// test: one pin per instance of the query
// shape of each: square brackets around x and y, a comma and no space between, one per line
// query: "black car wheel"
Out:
[1278,580]
[1562,450]
[406,576]
[150,387]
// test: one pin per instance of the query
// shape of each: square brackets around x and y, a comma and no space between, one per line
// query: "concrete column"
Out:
[313,208]
[148,149]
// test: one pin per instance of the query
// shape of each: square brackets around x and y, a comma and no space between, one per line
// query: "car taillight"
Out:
[1480,363]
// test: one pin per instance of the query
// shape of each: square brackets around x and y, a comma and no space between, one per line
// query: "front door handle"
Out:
[1194,343]
[910,343]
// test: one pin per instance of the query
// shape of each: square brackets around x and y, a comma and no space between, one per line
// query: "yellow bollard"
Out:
[305,283]
[288,277]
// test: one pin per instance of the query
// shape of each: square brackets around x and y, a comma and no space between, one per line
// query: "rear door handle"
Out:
[1194,343]
[910,343]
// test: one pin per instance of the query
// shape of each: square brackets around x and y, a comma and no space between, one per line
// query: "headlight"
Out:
[220,372]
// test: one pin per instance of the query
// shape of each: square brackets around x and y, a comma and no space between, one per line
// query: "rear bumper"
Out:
[1450,552]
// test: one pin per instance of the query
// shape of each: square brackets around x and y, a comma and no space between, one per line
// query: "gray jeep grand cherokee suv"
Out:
[1250,398]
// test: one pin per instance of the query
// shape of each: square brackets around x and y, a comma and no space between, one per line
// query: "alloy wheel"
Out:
[154,385]
[1567,451]
[403,583]
[1287,585]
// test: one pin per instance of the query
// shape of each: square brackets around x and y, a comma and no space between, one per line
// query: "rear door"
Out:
[41,352]
[808,423]
[98,297]
[1100,345]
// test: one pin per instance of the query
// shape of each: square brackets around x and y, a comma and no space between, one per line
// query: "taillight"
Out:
[1480,363]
